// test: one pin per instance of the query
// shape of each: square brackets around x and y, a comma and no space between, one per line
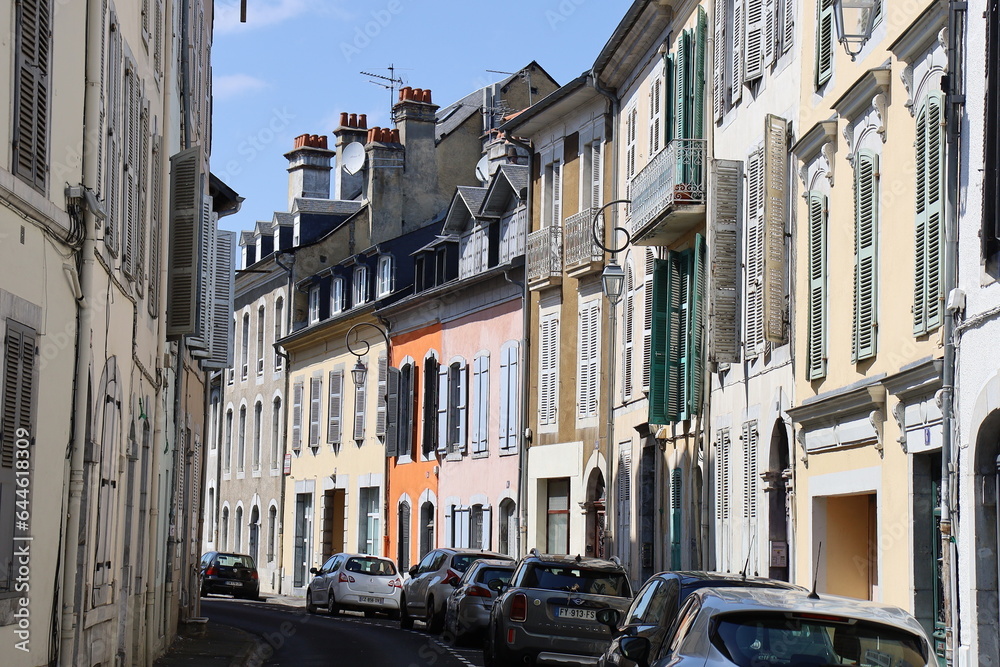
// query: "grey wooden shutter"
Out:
[143,166]
[297,392]
[736,54]
[725,211]
[443,404]
[754,255]
[130,170]
[112,172]
[928,291]
[430,430]
[787,25]
[360,396]
[628,331]
[315,398]
[335,408]
[33,43]
[18,389]
[220,323]
[770,32]
[719,60]
[186,188]
[509,364]
[866,202]
[773,226]
[816,343]
[392,410]
[382,410]
[155,219]
[824,42]
[755,31]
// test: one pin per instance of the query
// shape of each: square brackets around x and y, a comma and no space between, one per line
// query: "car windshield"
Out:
[377,567]
[233,560]
[813,640]
[461,562]
[488,574]
[576,580]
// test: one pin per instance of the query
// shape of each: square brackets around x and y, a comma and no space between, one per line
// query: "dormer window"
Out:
[336,296]
[360,285]
[314,304]
[384,284]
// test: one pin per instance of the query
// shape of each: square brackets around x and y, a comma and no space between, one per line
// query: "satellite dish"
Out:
[353,157]
[483,169]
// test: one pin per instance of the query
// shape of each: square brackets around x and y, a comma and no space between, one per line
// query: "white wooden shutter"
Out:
[736,54]
[442,407]
[755,35]
[723,500]
[725,206]
[297,392]
[787,25]
[773,225]
[130,167]
[335,408]
[482,412]
[360,396]
[596,175]
[463,407]
[186,197]
[486,539]
[751,481]
[156,215]
[382,409]
[557,194]
[143,167]
[628,332]
[816,344]
[549,359]
[755,251]
[866,196]
[770,31]
[719,60]
[315,396]
[647,318]
[655,115]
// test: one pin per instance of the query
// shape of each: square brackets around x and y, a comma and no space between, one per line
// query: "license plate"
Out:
[233,583]
[370,600]
[573,612]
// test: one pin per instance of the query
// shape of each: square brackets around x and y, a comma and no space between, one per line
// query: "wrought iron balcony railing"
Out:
[544,256]
[579,239]
[674,177]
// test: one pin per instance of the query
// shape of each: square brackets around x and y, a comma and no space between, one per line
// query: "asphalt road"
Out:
[291,637]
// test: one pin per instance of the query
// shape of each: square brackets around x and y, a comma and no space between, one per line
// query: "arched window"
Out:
[272,531]
[257,410]
[426,528]
[276,433]
[403,537]
[224,530]
[260,340]
[245,350]
[254,534]
[238,530]
[508,527]
[241,448]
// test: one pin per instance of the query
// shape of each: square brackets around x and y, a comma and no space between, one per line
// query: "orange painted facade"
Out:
[415,481]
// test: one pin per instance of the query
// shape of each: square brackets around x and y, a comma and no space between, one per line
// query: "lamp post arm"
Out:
[599,242]
[367,346]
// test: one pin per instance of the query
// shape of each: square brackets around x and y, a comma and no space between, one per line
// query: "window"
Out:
[628,331]
[549,371]
[228,452]
[360,285]
[430,434]
[272,531]
[17,431]
[359,410]
[479,528]
[655,115]
[368,517]
[224,530]
[552,190]
[928,289]
[866,229]
[407,407]
[755,254]
[817,267]
[315,398]
[453,413]
[245,350]
[336,296]
[588,375]
[258,408]
[279,306]
[481,405]
[751,480]
[260,340]
[403,537]
[426,527]
[675,384]
[591,195]
[238,529]
[510,360]
[297,392]
[557,516]
[276,418]
[314,304]
[508,527]
[33,44]
[335,409]
[385,275]
[241,440]
[823,65]
[723,502]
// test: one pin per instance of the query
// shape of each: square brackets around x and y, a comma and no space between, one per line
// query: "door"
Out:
[303,534]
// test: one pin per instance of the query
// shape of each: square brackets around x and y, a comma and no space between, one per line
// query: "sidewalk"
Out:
[214,645]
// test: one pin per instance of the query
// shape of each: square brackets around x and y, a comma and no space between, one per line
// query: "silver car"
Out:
[548,613]
[467,611]
[721,627]
[355,581]
[430,584]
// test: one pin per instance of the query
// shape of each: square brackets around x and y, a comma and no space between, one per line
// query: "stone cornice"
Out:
[867,395]
[859,96]
[918,379]
[919,35]
[811,143]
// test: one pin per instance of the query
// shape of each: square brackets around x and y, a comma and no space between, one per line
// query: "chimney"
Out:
[416,122]
[308,168]
[385,184]
[353,128]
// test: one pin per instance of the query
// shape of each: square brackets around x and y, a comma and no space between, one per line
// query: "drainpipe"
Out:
[74,554]
[954,110]
[280,546]
[594,81]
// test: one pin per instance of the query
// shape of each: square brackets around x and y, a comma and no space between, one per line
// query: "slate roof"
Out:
[328,206]
[513,176]
[449,118]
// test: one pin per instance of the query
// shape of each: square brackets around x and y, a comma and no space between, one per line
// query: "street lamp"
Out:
[360,371]
[613,283]
[857,13]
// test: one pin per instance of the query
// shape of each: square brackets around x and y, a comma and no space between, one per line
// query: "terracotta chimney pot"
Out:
[363,121]
[353,120]
[343,118]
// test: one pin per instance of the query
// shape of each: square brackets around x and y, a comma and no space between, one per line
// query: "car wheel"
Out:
[405,620]
[331,605]
[310,607]
[435,619]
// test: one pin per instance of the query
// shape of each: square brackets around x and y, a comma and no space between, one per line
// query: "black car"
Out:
[231,574]
[658,602]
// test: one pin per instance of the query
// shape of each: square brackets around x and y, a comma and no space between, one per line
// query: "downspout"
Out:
[612,321]
[704,529]
[954,109]
[522,431]
[74,556]
[280,546]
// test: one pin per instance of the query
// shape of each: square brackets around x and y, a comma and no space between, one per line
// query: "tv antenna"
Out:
[525,75]
[390,83]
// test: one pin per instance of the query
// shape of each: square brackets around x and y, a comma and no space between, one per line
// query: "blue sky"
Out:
[295,65]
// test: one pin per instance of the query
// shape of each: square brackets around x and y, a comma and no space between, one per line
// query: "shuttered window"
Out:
[647,317]
[628,331]
[736,54]
[335,409]
[817,325]
[297,392]
[725,211]
[360,396]
[33,45]
[719,59]
[928,289]
[676,517]
[407,406]
[755,254]
[751,481]
[589,360]
[382,409]
[723,446]
[866,205]
[824,42]
[481,404]
[548,380]
[430,431]
[774,222]
[509,396]
[655,115]
[457,388]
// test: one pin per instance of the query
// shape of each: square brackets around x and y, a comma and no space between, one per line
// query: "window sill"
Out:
[481,455]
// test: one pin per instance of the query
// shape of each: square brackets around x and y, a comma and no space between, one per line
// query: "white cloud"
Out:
[226,86]
[260,14]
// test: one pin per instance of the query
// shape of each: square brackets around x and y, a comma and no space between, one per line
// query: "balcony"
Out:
[583,256]
[668,195]
[544,259]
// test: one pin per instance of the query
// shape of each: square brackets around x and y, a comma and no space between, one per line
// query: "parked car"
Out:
[467,610]
[659,600]
[355,581]
[232,574]
[548,612]
[721,627]
[430,584]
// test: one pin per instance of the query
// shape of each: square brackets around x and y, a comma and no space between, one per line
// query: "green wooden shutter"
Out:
[695,348]
[676,517]
[816,359]
[678,323]
[928,292]
[669,98]
[866,198]
[698,80]
[824,42]
[658,345]
[681,85]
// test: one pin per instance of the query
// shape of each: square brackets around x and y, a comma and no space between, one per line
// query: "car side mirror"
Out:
[635,649]
[413,570]
[455,583]
[609,617]
[495,585]
[313,570]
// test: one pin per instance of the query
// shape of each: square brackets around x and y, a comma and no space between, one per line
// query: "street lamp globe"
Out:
[855,20]
[359,373]
[613,281]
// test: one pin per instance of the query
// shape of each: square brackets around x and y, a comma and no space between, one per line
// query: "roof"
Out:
[263,228]
[464,204]
[246,238]
[281,219]
[556,104]
[512,176]
[642,26]
[327,206]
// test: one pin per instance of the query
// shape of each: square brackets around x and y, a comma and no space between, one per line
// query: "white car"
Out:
[748,627]
[355,581]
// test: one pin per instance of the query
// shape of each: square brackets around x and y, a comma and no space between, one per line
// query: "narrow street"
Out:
[289,636]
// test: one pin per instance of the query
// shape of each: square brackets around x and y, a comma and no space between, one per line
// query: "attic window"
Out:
[385,274]
[360,285]
[314,304]
[336,296]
